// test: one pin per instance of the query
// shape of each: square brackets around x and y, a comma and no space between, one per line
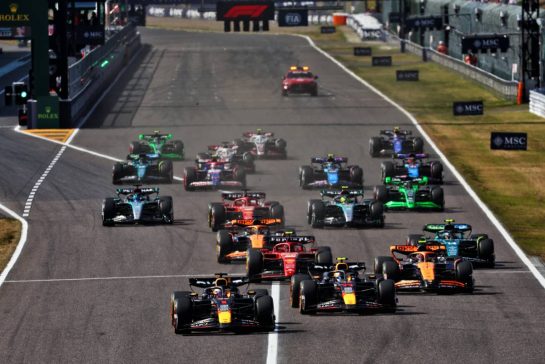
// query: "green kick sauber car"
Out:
[410,194]
[157,143]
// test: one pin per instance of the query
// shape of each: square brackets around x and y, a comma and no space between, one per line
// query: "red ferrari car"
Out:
[242,205]
[287,257]
[299,80]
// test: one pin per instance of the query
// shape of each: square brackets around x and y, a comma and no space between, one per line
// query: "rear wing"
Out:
[154,135]
[335,193]
[408,155]
[230,196]
[391,132]
[434,228]
[142,155]
[353,267]
[248,134]
[408,249]
[222,281]
[249,222]
[325,159]
[406,180]
[307,239]
[143,191]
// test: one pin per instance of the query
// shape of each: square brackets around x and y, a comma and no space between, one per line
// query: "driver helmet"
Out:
[216,292]
[331,158]
[397,130]
[259,131]
[412,159]
[343,199]
[448,235]
[337,276]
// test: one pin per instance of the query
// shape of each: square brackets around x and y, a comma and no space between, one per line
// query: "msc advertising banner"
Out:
[245,10]
[508,141]
[461,108]
[292,17]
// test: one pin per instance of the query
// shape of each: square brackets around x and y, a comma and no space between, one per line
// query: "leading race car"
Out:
[228,153]
[221,307]
[136,205]
[409,194]
[330,171]
[341,288]
[459,241]
[213,175]
[426,268]
[242,205]
[395,141]
[142,168]
[299,80]
[287,257]
[233,242]
[158,143]
[262,145]
[411,166]
[345,207]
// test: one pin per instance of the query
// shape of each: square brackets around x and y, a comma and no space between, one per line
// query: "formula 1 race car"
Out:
[341,288]
[410,194]
[212,175]
[221,307]
[158,143]
[228,153]
[299,80]
[345,208]
[134,205]
[142,168]
[330,172]
[287,257]
[395,141]
[459,241]
[426,268]
[413,166]
[262,145]
[242,205]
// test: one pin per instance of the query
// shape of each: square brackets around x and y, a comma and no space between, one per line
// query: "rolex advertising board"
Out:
[48,112]
[14,14]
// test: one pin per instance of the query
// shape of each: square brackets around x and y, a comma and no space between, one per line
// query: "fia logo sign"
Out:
[293,19]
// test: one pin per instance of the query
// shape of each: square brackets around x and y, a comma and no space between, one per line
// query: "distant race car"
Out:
[341,288]
[242,205]
[413,166]
[134,205]
[426,268]
[228,153]
[262,145]
[221,307]
[345,207]
[287,256]
[410,194]
[330,171]
[395,141]
[238,236]
[158,143]
[459,241]
[213,175]
[299,80]
[142,168]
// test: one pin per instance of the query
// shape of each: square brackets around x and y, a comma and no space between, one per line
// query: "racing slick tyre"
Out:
[261,292]
[216,216]
[387,169]
[375,146]
[317,215]
[464,273]
[295,288]
[117,173]
[413,239]
[309,209]
[137,148]
[356,176]
[391,270]
[306,176]
[108,212]
[323,256]
[377,266]
[182,309]
[308,297]
[284,92]
[387,294]
[190,176]
[438,197]
[381,194]
[436,172]
[485,247]
[314,92]
[166,170]
[167,212]
[202,157]
[240,144]
[376,212]
[248,159]
[418,145]
[178,147]
[264,312]
[254,264]
[277,212]
[224,246]
[239,174]
[280,144]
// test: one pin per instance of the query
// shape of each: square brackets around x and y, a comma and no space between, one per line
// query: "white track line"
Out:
[20,245]
[518,251]
[272,338]
[86,279]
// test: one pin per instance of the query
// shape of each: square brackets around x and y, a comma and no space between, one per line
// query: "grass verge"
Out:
[510,183]
[10,232]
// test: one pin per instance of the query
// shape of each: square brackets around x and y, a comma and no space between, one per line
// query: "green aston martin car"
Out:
[157,143]
[410,194]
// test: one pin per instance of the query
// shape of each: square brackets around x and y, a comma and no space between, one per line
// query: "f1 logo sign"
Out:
[252,11]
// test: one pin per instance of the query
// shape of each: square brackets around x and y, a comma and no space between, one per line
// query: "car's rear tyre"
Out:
[438,197]
[308,297]
[117,173]
[464,273]
[306,176]
[390,270]
[264,312]
[418,145]
[387,169]
[224,245]
[376,212]
[108,212]
[377,264]
[485,248]
[239,174]
[317,215]
[436,172]
[183,307]
[190,176]
[309,209]
[280,144]
[413,239]
[166,208]
[254,263]
[314,92]
[387,293]
[323,256]
[216,216]
[277,212]
[375,146]
[381,194]
[356,176]
[295,288]
[166,170]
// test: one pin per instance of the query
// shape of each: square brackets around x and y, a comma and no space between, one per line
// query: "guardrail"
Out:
[537,102]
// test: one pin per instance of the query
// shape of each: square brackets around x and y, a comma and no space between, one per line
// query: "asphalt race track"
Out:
[81,292]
